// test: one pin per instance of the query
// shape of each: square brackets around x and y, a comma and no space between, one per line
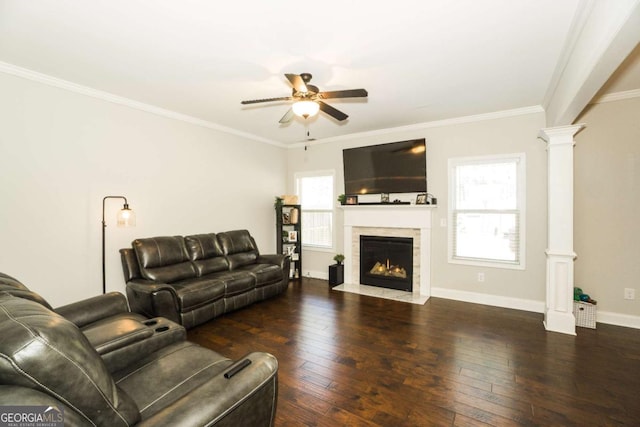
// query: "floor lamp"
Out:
[126,218]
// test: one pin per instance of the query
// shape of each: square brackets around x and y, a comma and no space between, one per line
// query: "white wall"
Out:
[62,152]
[607,206]
[523,289]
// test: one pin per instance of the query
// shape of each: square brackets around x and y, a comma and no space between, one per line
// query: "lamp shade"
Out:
[126,217]
[306,108]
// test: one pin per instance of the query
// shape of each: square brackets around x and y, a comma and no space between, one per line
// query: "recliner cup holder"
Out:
[162,329]
[150,322]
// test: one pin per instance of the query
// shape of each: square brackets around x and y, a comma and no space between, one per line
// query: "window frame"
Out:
[298,176]
[520,160]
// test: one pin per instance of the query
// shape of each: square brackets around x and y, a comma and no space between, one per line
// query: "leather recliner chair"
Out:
[46,359]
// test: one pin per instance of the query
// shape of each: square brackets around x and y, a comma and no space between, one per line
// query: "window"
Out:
[486,206]
[315,191]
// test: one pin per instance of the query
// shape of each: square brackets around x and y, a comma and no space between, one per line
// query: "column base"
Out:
[558,314]
[555,321]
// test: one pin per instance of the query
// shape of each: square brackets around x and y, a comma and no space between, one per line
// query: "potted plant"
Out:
[338,259]
[342,199]
[278,202]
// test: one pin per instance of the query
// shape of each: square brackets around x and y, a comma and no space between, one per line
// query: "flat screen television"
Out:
[396,167]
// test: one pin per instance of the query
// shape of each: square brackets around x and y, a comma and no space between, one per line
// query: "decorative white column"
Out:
[558,314]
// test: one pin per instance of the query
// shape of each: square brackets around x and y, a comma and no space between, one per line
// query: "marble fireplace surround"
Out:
[390,221]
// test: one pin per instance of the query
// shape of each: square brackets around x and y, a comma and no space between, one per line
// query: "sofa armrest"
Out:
[124,341]
[153,299]
[93,309]
[277,259]
[246,398]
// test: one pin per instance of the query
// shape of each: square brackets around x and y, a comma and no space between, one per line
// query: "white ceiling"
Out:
[420,60]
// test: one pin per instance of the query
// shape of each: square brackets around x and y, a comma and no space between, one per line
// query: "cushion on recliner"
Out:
[163,259]
[193,293]
[206,253]
[237,282]
[43,351]
[14,287]
[169,374]
[239,247]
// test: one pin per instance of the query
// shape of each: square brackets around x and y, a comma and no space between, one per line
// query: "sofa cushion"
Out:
[163,259]
[239,247]
[206,253]
[199,291]
[265,274]
[73,373]
[237,282]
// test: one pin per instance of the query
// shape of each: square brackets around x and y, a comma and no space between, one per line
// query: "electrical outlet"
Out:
[629,293]
[480,277]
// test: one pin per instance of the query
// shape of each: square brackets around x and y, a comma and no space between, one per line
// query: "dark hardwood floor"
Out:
[351,360]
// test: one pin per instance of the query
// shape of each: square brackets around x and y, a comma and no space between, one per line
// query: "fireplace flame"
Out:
[387,269]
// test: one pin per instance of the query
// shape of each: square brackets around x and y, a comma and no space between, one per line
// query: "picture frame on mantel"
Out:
[351,200]
[421,199]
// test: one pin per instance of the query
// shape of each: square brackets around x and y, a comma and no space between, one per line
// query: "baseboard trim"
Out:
[606,317]
[618,319]
[486,299]
[323,275]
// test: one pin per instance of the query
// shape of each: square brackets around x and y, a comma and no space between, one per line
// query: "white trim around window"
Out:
[487,211]
[318,211]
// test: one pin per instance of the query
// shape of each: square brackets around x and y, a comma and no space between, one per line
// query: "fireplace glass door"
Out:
[387,262]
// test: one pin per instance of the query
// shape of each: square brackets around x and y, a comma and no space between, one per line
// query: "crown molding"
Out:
[120,100]
[617,96]
[426,125]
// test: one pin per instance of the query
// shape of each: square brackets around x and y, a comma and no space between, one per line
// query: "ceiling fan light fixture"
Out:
[306,108]
[308,99]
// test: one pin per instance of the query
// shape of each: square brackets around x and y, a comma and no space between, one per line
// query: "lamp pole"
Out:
[104,226]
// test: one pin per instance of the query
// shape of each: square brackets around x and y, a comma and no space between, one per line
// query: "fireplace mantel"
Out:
[390,219]
[400,216]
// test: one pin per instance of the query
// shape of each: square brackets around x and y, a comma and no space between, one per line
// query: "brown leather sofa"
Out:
[194,279]
[97,364]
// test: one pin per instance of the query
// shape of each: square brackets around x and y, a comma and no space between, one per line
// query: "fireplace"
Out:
[390,220]
[387,262]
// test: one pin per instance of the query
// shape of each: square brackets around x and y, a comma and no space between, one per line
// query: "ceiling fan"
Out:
[308,99]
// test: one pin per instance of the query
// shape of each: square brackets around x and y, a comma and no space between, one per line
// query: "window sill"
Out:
[488,264]
[317,248]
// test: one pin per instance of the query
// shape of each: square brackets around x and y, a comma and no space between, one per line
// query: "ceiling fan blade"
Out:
[298,84]
[350,93]
[255,101]
[333,112]
[287,116]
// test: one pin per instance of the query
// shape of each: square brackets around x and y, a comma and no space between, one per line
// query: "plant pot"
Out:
[336,274]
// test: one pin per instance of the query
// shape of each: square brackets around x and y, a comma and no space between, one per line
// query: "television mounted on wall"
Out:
[396,167]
